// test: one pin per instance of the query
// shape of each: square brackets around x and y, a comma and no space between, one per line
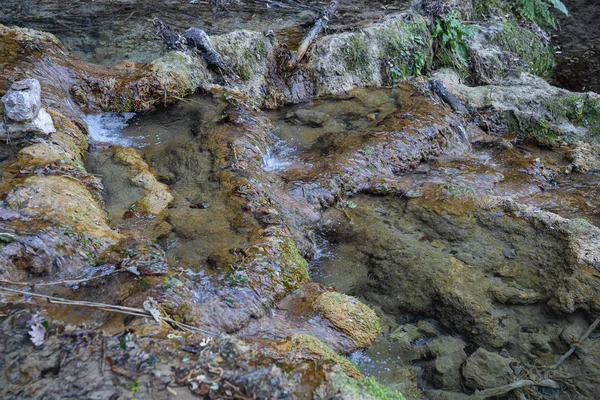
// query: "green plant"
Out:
[539,12]
[451,33]
[236,277]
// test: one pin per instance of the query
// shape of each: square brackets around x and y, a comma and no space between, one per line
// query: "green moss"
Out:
[252,54]
[303,342]
[366,388]
[351,316]
[579,109]
[294,266]
[486,8]
[541,131]
[356,53]
[405,46]
[538,57]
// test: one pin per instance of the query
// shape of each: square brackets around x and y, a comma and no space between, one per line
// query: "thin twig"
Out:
[111,308]
[501,390]
[69,281]
[579,342]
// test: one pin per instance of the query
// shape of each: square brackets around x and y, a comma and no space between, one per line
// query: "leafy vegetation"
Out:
[450,33]
[539,11]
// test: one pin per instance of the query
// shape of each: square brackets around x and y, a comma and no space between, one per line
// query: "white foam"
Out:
[279,157]
[108,128]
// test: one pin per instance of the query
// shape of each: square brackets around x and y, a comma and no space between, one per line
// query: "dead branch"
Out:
[577,344]
[112,308]
[313,33]
[196,39]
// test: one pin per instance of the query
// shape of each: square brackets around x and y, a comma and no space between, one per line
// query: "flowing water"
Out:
[350,245]
[359,246]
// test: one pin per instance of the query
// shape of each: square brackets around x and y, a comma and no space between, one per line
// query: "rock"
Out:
[449,356]
[156,195]
[531,106]
[42,125]
[309,117]
[485,370]
[501,47]
[350,316]
[22,102]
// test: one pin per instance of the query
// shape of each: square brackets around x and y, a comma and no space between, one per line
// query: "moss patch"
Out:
[406,46]
[535,53]
[323,352]
[366,388]
[351,316]
[579,109]
[356,53]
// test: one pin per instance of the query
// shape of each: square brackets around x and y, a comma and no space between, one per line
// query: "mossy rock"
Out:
[351,316]
[397,47]
[365,389]
[321,351]
[501,47]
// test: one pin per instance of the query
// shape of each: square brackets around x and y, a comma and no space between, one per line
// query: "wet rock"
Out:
[145,258]
[64,199]
[22,102]
[532,107]
[156,197]
[309,117]
[320,350]
[445,370]
[369,57]
[583,158]
[484,370]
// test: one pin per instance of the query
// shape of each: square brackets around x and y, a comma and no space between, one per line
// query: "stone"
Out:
[484,370]
[42,125]
[22,102]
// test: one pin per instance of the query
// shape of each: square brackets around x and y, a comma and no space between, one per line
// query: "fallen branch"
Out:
[577,344]
[313,33]
[502,390]
[197,39]
[112,308]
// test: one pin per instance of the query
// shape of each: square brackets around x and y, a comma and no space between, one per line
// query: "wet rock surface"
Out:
[468,244]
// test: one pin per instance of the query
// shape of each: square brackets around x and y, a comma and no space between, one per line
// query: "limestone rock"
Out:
[41,125]
[485,370]
[23,111]
[22,102]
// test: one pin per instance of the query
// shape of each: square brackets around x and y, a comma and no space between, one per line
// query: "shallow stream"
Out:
[389,250]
